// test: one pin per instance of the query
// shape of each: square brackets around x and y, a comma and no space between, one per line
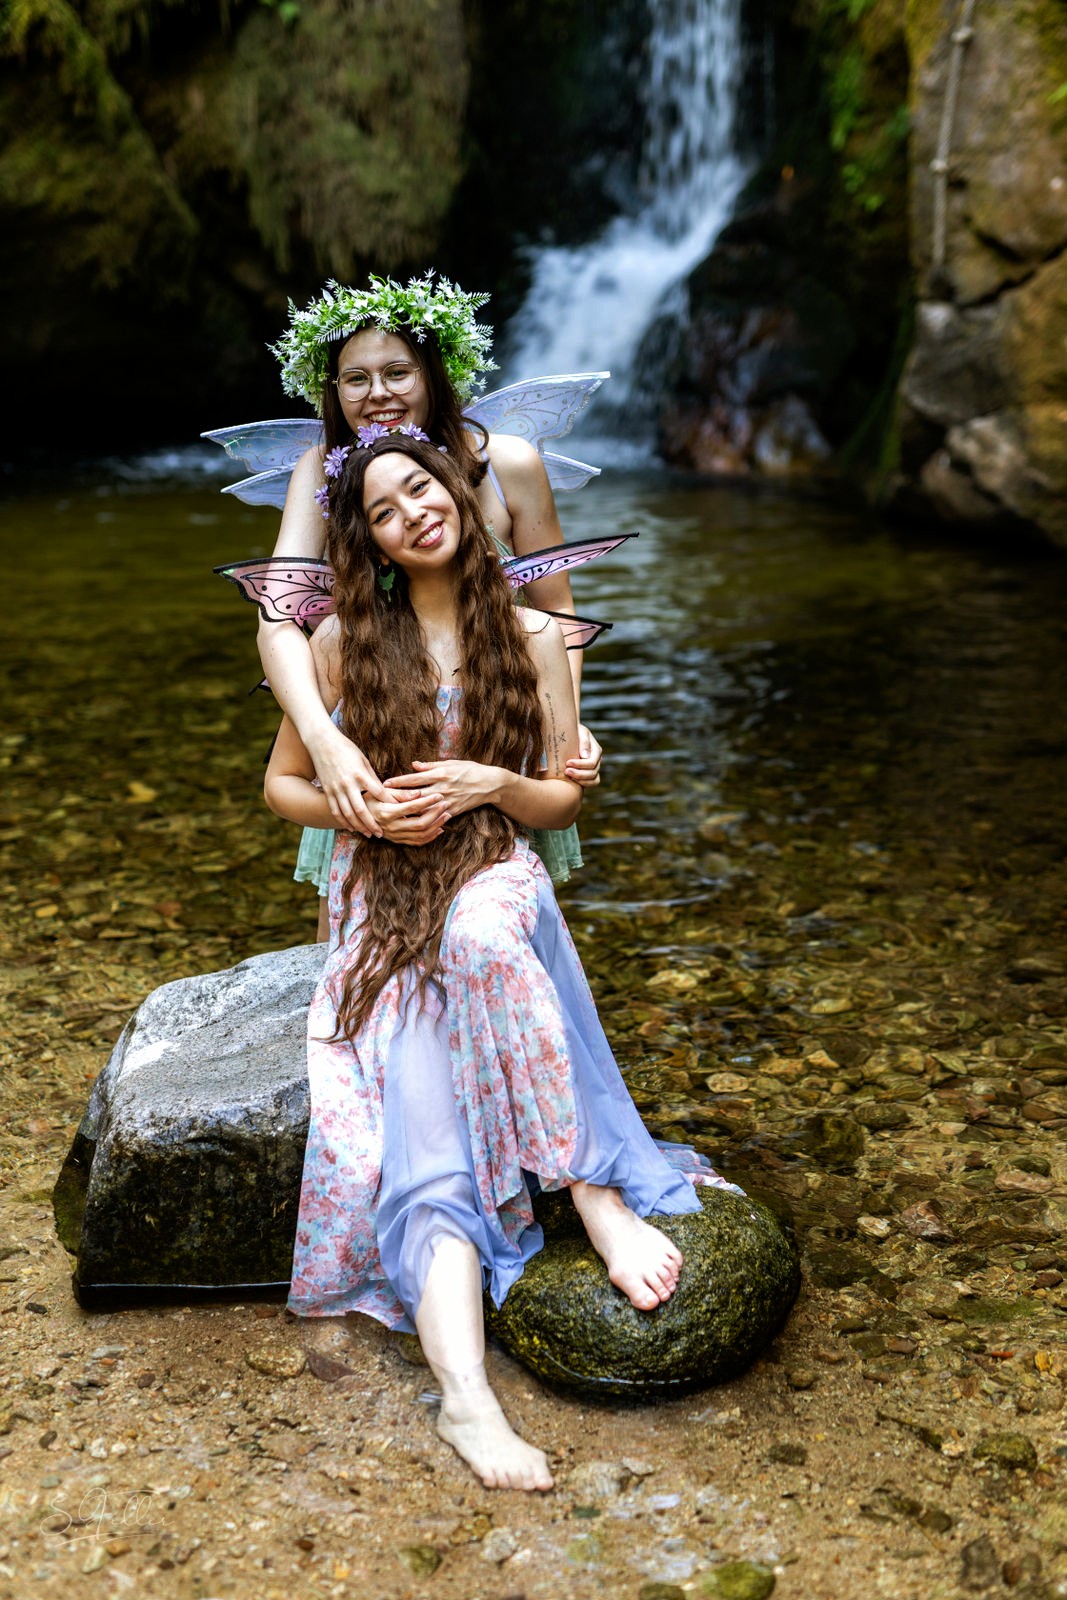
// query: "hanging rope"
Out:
[960,38]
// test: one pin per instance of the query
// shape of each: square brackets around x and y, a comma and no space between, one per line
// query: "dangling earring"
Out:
[385,580]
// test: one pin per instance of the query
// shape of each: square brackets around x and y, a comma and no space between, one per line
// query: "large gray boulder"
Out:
[185,1170]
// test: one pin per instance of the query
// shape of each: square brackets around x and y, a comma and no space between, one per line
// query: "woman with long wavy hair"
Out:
[388,357]
[454,1051]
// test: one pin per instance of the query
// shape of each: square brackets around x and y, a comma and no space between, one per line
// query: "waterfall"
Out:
[589,306]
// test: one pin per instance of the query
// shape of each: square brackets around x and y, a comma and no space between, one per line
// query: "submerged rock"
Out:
[185,1170]
[567,1322]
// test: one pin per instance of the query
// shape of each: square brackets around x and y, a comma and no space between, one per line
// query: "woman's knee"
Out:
[485,925]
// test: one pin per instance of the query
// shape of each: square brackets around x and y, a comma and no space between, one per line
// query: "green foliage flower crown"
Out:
[420,305]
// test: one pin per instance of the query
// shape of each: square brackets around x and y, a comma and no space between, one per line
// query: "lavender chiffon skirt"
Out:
[442,1120]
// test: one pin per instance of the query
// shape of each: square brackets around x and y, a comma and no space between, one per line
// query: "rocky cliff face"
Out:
[894,287]
[983,397]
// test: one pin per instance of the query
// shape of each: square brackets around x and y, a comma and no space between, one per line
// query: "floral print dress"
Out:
[442,1120]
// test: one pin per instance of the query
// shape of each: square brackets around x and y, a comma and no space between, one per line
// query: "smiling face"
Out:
[383,359]
[413,519]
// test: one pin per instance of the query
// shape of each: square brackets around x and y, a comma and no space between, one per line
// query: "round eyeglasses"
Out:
[398,377]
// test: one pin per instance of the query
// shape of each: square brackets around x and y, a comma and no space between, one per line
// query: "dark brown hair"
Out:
[389,690]
[444,422]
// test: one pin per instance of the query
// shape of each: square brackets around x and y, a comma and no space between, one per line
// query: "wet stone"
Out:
[800,1378]
[979,1568]
[923,1222]
[832,1141]
[421,1560]
[1010,1450]
[598,1480]
[786,1454]
[567,1323]
[877,1115]
[835,1267]
[276,1361]
[737,1580]
[660,1591]
[498,1546]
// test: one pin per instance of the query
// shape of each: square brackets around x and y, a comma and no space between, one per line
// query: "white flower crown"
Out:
[422,306]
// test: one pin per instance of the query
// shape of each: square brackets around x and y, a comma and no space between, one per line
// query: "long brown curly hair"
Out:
[389,708]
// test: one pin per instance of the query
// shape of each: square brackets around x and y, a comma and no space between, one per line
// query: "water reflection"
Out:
[829,825]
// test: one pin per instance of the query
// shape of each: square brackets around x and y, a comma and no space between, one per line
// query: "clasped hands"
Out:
[413,808]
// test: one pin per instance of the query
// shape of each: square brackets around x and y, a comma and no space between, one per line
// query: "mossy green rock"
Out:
[1011,1450]
[737,1580]
[569,1325]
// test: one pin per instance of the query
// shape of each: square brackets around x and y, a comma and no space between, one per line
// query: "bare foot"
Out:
[641,1261]
[478,1430]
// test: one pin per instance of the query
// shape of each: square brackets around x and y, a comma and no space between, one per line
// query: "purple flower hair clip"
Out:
[322,500]
[335,460]
[410,431]
[369,435]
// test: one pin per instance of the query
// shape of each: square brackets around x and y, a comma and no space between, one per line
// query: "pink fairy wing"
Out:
[578,632]
[521,570]
[285,591]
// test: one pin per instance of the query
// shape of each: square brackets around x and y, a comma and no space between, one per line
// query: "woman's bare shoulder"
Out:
[309,466]
[508,453]
[540,624]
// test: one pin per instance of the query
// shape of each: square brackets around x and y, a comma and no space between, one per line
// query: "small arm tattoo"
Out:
[556,742]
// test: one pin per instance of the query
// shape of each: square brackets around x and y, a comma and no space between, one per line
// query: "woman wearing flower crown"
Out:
[454,1051]
[387,358]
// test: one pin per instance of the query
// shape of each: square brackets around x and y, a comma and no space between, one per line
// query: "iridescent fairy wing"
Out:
[284,590]
[565,473]
[578,632]
[537,408]
[265,489]
[521,570]
[266,445]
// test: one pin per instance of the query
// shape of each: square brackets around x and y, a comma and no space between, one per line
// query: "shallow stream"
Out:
[825,869]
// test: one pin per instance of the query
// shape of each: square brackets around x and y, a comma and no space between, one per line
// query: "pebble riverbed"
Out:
[823,917]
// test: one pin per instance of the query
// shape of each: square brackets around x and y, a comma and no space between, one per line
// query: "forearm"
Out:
[290,670]
[535,802]
[297,800]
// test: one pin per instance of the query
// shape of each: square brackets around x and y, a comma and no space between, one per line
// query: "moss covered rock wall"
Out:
[169,172]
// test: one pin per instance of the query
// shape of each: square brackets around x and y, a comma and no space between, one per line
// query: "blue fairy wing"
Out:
[538,408]
[521,570]
[284,590]
[264,445]
[566,473]
[265,489]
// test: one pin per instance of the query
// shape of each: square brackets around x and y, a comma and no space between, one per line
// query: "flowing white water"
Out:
[589,306]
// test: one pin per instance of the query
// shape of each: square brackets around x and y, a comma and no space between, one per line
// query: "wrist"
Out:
[502,787]
[319,733]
